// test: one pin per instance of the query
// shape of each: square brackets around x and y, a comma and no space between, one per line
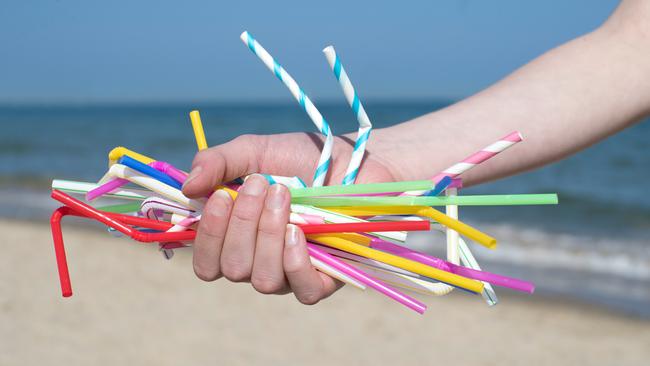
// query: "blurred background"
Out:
[78,78]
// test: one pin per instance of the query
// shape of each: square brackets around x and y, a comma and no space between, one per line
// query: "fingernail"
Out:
[196,171]
[276,197]
[220,206]
[291,239]
[255,185]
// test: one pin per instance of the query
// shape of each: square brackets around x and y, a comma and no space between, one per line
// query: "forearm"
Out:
[562,102]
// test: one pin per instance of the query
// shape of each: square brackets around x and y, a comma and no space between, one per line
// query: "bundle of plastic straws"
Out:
[356,232]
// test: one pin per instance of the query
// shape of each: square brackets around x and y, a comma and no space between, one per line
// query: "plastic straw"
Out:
[197,126]
[115,183]
[332,272]
[147,170]
[121,208]
[297,92]
[121,171]
[361,188]
[393,260]
[176,174]
[70,186]
[375,226]
[365,126]
[477,200]
[330,216]
[468,231]
[475,159]
[403,299]
[115,154]
[493,278]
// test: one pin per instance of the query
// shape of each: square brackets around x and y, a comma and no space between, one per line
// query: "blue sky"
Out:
[159,51]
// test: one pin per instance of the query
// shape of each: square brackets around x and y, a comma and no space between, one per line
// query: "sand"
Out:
[133,307]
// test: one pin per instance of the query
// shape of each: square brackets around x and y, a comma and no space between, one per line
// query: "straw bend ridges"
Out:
[365,126]
[309,107]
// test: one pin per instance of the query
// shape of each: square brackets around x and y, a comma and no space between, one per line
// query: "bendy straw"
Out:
[477,200]
[495,279]
[361,188]
[121,208]
[176,174]
[156,203]
[147,170]
[197,126]
[290,182]
[403,299]
[468,231]
[330,271]
[334,217]
[75,187]
[113,184]
[124,172]
[475,159]
[115,154]
[393,260]
[375,226]
[365,126]
[305,103]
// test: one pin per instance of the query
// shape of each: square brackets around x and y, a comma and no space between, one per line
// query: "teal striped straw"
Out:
[365,126]
[305,103]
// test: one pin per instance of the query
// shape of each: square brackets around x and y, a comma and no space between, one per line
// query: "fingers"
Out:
[239,243]
[222,163]
[268,275]
[308,285]
[210,236]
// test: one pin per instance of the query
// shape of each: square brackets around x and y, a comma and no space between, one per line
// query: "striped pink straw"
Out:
[474,159]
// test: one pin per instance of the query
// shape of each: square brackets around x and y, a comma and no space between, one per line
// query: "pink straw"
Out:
[480,156]
[116,183]
[362,277]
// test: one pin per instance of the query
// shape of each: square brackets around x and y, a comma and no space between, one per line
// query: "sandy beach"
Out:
[133,307]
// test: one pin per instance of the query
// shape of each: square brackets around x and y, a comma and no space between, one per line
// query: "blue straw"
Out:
[440,186]
[147,170]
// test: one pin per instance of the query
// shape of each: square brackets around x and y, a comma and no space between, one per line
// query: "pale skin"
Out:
[562,102]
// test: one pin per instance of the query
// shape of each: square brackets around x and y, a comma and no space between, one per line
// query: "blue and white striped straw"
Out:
[305,102]
[364,122]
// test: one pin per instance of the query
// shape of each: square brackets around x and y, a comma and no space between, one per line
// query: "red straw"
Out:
[362,227]
[121,223]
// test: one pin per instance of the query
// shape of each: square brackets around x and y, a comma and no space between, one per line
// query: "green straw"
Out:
[487,200]
[415,185]
[121,208]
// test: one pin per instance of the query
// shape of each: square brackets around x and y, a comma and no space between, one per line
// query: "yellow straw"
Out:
[466,230]
[195,117]
[120,151]
[393,260]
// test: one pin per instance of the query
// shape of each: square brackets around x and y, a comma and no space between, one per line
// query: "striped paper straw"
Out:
[305,103]
[364,122]
[474,159]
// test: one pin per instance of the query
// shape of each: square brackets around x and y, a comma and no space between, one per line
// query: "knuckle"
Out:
[266,284]
[309,298]
[268,230]
[203,156]
[245,212]
[207,275]
[296,267]
[246,139]
[235,271]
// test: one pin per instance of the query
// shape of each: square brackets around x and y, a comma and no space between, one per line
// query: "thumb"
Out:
[223,163]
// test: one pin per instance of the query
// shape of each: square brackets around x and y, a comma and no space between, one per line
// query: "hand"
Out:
[249,239]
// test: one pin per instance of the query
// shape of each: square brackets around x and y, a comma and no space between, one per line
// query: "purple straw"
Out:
[116,183]
[495,279]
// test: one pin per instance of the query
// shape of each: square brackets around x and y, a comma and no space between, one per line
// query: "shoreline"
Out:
[131,305]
